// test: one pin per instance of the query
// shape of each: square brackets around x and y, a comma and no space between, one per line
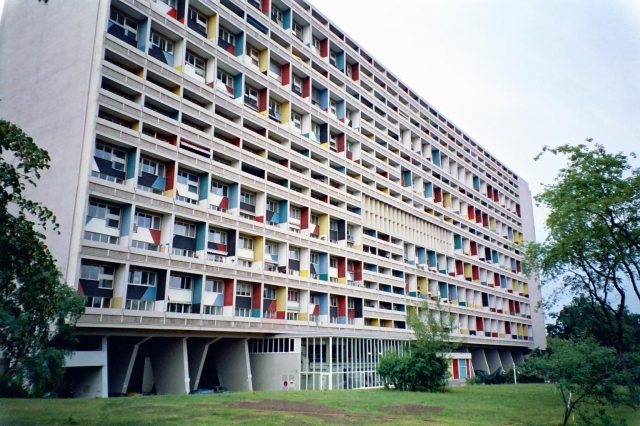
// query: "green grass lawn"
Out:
[467,405]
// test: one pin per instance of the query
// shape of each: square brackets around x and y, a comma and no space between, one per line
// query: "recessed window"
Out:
[217,236]
[244,290]
[315,258]
[180,308]
[140,277]
[294,254]
[184,229]
[101,273]
[248,198]
[197,62]
[129,25]
[214,286]
[110,214]
[161,42]
[225,78]
[293,296]
[180,282]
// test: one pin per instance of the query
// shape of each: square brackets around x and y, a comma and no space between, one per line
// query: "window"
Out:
[242,312]
[181,308]
[270,267]
[219,188]
[129,26]
[315,299]
[269,314]
[192,181]
[214,286]
[333,58]
[186,200]
[351,303]
[140,277]
[269,293]
[211,310]
[215,257]
[315,42]
[347,69]
[244,215]
[243,290]
[248,198]
[333,225]
[276,69]
[184,229]
[293,316]
[273,206]
[334,301]
[170,3]
[199,19]
[294,253]
[334,107]
[294,213]
[139,305]
[145,245]
[271,248]
[315,97]
[293,296]
[110,214]
[315,258]
[101,273]
[254,54]
[118,160]
[251,96]
[297,120]
[183,252]
[294,272]
[225,78]
[227,36]
[147,221]
[297,30]
[160,42]
[315,219]
[274,108]
[333,262]
[315,128]
[245,263]
[198,63]
[180,282]
[245,243]
[98,302]
[276,15]
[333,279]
[347,114]
[151,166]
[313,318]
[217,236]
[297,85]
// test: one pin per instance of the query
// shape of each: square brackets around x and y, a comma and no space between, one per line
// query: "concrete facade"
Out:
[248,198]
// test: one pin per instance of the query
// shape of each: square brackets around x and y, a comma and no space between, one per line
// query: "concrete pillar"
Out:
[129,365]
[197,350]
[479,360]
[88,372]
[518,358]
[506,359]
[170,366]
[493,359]
[232,363]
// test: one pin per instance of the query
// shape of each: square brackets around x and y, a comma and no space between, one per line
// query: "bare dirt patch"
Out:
[329,414]
[412,409]
[286,406]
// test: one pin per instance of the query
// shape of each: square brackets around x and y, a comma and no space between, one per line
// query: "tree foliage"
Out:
[586,375]
[423,368]
[593,243]
[38,311]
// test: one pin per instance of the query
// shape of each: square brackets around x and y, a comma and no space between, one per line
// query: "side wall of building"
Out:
[535,295]
[52,100]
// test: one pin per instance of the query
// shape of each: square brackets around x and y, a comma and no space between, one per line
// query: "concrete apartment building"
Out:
[248,198]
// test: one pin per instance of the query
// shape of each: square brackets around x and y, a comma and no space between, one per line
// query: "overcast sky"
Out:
[515,76]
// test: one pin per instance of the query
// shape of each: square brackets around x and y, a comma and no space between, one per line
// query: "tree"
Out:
[423,368]
[586,374]
[593,243]
[38,311]
[581,319]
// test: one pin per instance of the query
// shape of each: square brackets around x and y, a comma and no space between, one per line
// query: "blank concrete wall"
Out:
[267,370]
[232,362]
[87,382]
